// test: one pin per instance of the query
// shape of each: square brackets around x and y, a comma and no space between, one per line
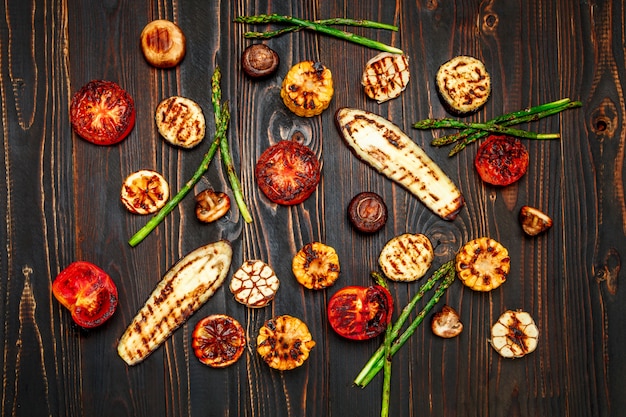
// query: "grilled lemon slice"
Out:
[284,342]
[180,121]
[483,264]
[144,192]
[316,266]
[406,257]
[307,88]
[385,76]
[515,334]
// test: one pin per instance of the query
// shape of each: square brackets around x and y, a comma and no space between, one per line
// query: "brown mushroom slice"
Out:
[284,342]
[515,334]
[254,284]
[534,221]
[446,323]
[211,205]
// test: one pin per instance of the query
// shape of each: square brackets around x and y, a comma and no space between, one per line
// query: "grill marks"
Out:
[186,287]
[180,121]
[383,146]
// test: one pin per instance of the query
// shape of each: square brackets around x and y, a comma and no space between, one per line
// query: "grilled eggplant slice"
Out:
[406,257]
[463,84]
[180,121]
[181,292]
[386,148]
[385,76]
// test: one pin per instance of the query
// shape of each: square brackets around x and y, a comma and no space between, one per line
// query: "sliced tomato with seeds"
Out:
[360,313]
[288,172]
[218,340]
[87,292]
[501,160]
[102,112]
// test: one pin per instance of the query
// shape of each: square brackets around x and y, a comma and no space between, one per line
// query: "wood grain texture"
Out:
[60,199]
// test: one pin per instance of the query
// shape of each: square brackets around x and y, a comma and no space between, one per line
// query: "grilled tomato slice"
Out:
[87,292]
[501,160]
[102,112]
[288,172]
[360,313]
[218,340]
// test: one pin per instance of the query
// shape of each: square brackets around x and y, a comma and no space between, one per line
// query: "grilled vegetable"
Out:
[387,149]
[181,292]
[406,257]
[180,121]
[87,292]
[446,323]
[145,192]
[385,76]
[211,205]
[163,43]
[463,84]
[483,264]
[307,88]
[316,266]
[284,342]
[259,61]
[367,212]
[288,172]
[102,112]
[515,334]
[501,160]
[218,340]
[534,221]
[360,313]
[254,284]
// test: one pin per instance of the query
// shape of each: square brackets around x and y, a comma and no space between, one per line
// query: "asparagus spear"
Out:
[318,27]
[326,22]
[384,409]
[376,361]
[486,127]
[219,111]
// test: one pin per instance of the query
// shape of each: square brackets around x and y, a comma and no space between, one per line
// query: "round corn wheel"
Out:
[406,257]
[316,266]
[254,284]
[284,342]
[483,264]
[307,89]
[515,334]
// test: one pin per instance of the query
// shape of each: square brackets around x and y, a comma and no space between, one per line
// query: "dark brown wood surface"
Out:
[60,203]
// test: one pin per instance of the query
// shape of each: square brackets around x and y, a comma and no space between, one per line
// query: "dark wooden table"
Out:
[60,203]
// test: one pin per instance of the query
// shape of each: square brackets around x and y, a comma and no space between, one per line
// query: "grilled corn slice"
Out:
[307,88]
[284,342]
[144,192]
[316,266]
[254,284]
[483,264]
[180,121]
[386,148]
[385,76]
[463,84]
[515,334]
[181,292]
[406,257]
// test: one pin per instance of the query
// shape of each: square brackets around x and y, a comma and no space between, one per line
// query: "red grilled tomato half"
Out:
[360,313]
[288,172]
[87,292]
[102,112]
[501,160]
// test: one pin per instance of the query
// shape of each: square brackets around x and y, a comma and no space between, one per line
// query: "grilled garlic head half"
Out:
[515,334]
